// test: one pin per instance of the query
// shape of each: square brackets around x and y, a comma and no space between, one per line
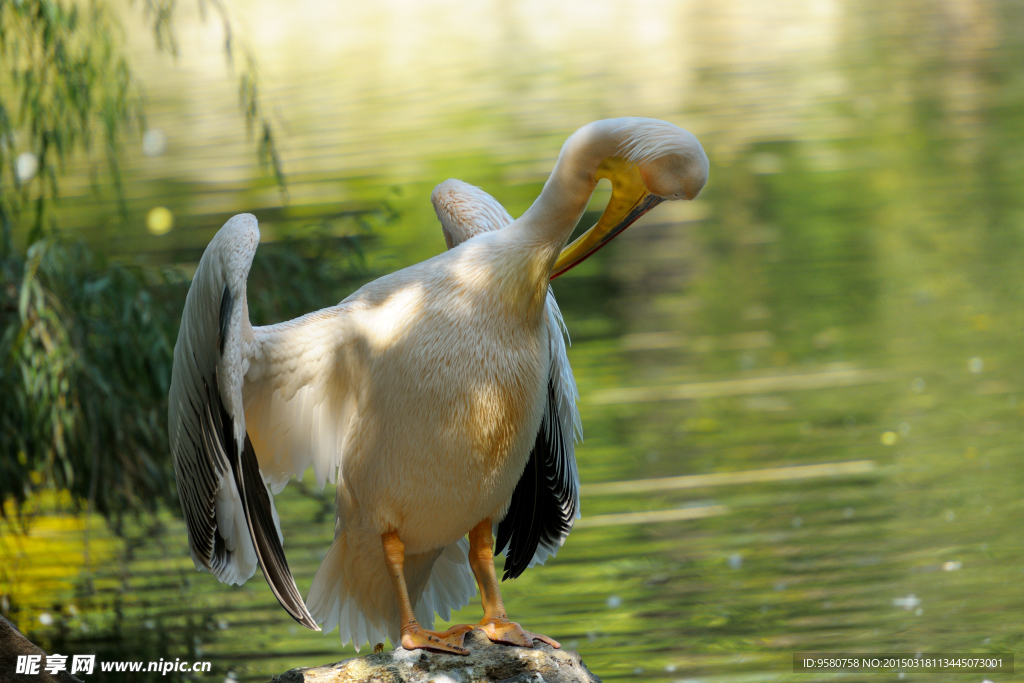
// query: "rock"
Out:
[12,644]
[486,663]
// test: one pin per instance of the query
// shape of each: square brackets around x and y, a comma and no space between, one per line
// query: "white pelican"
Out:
[422,395]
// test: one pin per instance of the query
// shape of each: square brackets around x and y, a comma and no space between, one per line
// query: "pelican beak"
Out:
[630,200]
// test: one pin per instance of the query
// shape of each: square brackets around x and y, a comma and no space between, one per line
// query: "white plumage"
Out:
[438,398]
[466,211]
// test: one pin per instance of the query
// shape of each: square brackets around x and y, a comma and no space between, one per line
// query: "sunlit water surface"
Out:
[846,294]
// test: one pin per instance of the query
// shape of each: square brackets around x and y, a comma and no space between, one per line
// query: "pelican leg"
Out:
[415,636]
[495,623]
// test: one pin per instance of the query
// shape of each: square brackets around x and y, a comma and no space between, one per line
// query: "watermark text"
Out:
[86,664]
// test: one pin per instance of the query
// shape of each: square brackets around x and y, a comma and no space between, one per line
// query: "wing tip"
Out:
[306,619]
[265,540]
[241,232]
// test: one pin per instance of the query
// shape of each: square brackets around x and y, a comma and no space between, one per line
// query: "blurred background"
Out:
[815,367]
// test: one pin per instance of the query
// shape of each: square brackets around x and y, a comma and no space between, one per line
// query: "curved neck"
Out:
[549,222]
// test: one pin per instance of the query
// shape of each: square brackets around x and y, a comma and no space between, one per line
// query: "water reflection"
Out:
[863,219]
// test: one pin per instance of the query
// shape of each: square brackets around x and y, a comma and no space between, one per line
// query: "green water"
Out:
[860,244]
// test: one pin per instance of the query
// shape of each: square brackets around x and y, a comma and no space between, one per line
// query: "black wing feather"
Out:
[258,515]
[545,501]
[227,302]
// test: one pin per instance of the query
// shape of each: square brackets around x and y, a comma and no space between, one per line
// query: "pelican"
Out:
[423,396]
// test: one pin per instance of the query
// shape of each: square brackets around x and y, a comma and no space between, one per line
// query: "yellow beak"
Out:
[630,200]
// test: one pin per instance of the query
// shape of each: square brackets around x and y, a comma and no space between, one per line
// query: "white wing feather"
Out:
[297,403]
[207,377]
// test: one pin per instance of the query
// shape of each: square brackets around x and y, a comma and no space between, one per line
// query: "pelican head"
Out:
[653,161]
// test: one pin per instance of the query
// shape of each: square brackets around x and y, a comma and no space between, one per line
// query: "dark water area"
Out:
[806,382]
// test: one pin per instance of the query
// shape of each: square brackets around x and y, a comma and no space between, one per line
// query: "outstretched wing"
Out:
[546,499]
[232,524]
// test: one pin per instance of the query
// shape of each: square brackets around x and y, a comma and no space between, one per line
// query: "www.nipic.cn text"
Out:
[86,664]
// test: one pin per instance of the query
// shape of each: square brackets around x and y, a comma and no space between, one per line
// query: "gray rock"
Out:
[486,663]
[12,644]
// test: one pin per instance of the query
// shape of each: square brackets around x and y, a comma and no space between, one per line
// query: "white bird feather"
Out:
[466,211]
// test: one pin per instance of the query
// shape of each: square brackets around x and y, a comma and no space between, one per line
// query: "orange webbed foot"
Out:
[458,630]
[510,633]
[415,637]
